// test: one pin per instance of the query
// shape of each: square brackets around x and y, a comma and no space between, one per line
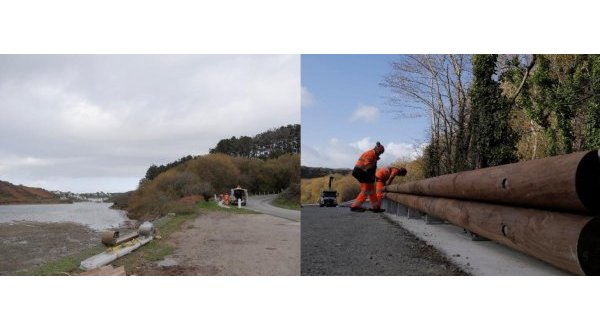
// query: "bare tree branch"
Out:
[525,76]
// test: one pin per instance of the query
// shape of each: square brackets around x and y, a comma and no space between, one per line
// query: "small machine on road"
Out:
[328,197]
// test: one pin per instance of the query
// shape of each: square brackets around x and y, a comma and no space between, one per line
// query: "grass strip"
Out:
[286,204]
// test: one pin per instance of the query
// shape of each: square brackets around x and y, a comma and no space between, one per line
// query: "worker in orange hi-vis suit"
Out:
[226,196]
[364,172]
[384,177]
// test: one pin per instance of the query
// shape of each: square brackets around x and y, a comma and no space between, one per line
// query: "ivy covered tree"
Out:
[563,100]
[591,132]
[493,141]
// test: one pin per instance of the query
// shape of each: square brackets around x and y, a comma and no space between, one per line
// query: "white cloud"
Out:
[334,154]
[365,112]
[363,144]
[403,151]
[119,114]
[337,154]
[307,97]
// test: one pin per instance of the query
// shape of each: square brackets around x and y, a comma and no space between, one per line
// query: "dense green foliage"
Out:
[563,100]
[270,144]
[493,141]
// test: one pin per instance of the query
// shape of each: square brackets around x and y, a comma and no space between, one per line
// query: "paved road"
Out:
[262,204]
[336,241]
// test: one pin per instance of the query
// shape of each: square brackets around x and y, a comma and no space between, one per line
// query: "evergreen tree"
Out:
[267,145]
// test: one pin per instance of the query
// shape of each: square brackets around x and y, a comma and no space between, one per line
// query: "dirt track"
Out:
[336,241]
[221,243]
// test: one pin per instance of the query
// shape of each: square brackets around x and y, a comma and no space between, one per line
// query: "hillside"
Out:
[177,189]
[12,194]
[269,162]
[307,172]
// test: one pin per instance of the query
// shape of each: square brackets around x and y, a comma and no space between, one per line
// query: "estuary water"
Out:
[97,216]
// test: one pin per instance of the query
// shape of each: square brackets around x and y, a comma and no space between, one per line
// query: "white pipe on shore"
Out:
[107,257]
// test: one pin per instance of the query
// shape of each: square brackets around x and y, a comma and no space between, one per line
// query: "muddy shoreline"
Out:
[26,245]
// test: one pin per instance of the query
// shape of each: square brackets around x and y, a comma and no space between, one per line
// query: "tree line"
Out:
[266,163]
[270,144]
[488,110]
[266,145]
[178,188]
[307,172]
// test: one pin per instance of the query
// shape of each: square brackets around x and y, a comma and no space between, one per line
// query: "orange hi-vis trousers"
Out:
[378,194]
[366,190]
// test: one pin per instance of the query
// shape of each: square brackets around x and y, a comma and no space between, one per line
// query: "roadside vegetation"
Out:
[348,187]
[488,110]
[180,188]
[266,163]
[289,198]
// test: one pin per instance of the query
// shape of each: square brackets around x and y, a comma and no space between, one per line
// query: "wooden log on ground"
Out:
[567,241]
[567,182]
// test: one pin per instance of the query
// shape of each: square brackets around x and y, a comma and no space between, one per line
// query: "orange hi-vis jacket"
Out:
[367,160]
[383,174]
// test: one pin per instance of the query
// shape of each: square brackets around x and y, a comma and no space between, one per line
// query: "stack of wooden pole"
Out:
[547,208]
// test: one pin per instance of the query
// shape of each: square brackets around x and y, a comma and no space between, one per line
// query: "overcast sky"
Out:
[96,123]
[345,112]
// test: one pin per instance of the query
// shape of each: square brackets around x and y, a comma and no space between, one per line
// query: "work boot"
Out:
[357,209]
[378,210]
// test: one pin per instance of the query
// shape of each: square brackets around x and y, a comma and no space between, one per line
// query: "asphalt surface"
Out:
[336,241]
[262,204]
